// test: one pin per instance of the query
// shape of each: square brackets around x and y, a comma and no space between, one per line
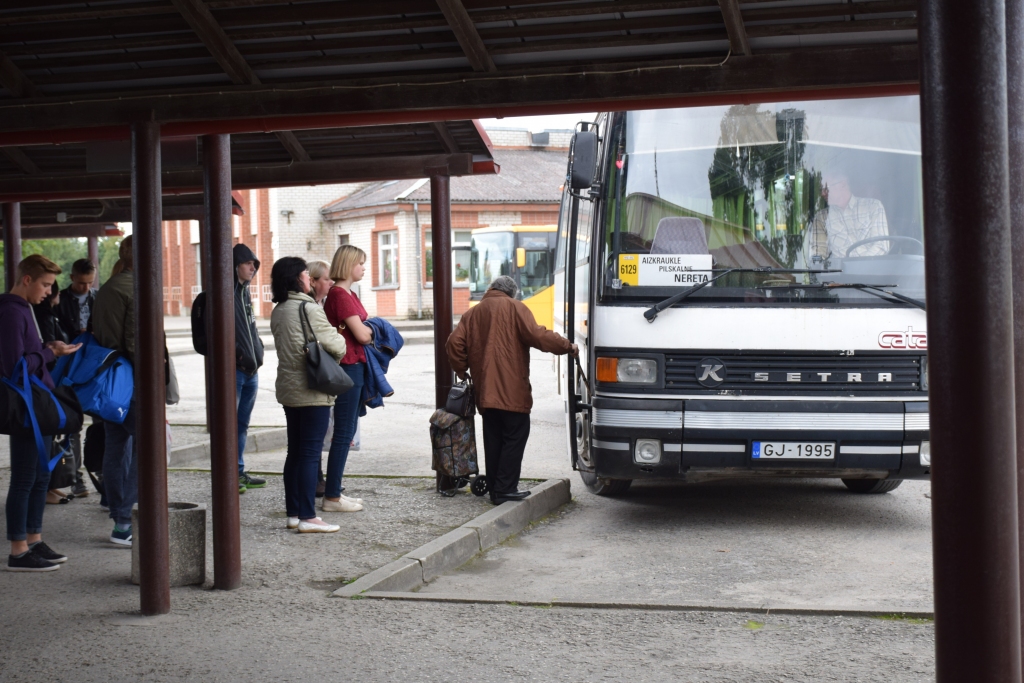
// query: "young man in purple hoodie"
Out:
[20,339]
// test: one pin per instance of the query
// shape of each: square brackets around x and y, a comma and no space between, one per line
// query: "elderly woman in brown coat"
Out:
[492,343]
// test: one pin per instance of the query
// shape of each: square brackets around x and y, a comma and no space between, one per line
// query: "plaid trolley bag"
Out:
[453,444]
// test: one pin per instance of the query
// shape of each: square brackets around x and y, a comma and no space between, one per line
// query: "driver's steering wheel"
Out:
[886,238]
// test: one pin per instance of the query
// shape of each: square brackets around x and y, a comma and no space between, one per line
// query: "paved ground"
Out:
[281,625]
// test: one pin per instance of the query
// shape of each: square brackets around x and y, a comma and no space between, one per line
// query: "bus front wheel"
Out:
[872,485]
[604,487]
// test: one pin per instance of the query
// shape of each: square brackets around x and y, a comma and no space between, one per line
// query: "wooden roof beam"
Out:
[12,78]
[465,32]
[738,41]
[20,159]
[96,185]
[445,137]
[202,21]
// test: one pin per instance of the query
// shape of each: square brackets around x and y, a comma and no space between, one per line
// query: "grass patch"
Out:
[752,625]
[905,619]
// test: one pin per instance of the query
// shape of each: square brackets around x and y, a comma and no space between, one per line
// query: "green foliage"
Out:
[64,252]
[753,625]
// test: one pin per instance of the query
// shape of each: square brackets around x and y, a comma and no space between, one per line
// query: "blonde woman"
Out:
[346,313]
[319,280]
[306,410]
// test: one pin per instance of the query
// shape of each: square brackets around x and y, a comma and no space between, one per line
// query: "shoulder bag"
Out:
[460,399]
[324,373]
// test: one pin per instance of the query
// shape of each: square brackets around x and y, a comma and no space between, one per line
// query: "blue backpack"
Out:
[102,378]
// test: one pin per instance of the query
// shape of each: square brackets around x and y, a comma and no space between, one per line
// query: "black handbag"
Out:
[64,471]
[460,399]
[324,373]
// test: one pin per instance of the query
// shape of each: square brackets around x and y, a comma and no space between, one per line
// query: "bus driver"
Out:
[844,221]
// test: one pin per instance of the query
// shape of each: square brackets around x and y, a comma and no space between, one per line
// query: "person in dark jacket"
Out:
[20,341]
[76,301]
[248,357]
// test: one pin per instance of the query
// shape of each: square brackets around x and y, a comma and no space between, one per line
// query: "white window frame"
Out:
[382,251]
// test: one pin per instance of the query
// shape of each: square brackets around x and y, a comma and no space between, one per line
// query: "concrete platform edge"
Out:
[460,545]
[263,440]
[668,607]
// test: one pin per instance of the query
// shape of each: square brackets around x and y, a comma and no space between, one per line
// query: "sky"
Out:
[536,124]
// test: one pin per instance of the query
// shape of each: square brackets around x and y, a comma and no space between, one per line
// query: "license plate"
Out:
[793,450]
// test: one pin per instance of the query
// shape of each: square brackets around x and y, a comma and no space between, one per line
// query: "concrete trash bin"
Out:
[186,527]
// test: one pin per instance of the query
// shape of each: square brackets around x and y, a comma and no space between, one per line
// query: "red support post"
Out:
[220,330]
[967,198]
[150,375]
[12,242]
[441,237]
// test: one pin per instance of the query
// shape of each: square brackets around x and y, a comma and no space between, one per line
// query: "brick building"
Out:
[381,219]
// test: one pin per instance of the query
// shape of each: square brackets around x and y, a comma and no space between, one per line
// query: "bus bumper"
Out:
[694,439]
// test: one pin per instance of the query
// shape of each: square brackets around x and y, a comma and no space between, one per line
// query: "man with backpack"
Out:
[113,325]
[20,341]
[248,352]
[74,313]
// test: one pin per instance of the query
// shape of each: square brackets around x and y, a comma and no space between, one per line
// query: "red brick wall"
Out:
[460,300]
[386,303]
[539,218]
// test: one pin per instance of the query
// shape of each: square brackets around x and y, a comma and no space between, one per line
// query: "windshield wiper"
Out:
[877,290]
[652,313]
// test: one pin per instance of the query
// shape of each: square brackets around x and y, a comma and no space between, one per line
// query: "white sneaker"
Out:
[316,525]
[293,522]
[357,501]
[343,505]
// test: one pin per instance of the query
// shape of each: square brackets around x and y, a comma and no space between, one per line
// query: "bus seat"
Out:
[680,235]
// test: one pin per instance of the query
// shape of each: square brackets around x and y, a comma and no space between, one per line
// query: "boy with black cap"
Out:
[248,356]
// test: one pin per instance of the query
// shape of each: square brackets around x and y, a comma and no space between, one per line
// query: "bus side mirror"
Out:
[583,162]
[520,257]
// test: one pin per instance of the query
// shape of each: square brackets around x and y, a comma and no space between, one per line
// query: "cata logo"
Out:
[904,340]
[711,372]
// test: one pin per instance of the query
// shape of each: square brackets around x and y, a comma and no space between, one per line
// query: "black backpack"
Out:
[199,324]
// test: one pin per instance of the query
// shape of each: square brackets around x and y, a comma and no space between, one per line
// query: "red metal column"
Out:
[967,220]
[150,377]
[1015,122]
[94,256]
[220,328]
[441,236]
[204,274]
[12,241]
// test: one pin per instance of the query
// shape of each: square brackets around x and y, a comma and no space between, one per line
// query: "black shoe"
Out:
[251,482]
[47,553]
[509,497]
[30,562]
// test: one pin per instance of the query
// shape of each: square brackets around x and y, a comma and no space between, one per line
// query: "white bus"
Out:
[746,284]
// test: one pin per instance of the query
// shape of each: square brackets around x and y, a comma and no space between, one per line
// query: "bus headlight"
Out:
[647,452]
[627,370]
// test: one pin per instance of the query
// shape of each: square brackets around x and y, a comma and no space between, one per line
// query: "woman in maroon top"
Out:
[346,312]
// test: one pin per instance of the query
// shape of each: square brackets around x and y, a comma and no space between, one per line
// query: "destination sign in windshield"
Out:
[664,270]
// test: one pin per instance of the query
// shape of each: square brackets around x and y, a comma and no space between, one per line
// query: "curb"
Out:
[384,594]
[264,440]
[460,545]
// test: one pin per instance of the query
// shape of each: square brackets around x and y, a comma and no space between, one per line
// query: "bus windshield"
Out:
[490,256]
[830,191]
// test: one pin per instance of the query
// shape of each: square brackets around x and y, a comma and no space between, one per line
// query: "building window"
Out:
[387,253]
[461,243]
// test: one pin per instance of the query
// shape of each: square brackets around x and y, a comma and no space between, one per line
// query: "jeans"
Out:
[306,429]
[346,416]
[245,399]
[26,496]
[505,436]
[121,468]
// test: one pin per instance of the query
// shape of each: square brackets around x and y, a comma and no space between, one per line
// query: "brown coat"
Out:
[493,342]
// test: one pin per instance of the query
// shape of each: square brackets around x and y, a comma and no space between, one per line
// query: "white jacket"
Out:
[286,323]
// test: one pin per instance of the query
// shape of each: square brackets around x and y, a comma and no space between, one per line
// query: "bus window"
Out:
[563,231]
[537,273]
[492,255]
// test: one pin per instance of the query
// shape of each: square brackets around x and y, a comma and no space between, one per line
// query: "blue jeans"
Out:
[245,399]
[306,429]
[121,468]
[346,416]
[26,496]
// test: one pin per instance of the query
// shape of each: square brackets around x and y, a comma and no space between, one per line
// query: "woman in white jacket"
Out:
[307,411]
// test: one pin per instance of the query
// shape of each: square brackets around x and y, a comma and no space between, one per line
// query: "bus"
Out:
[746,285]
[526,252]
